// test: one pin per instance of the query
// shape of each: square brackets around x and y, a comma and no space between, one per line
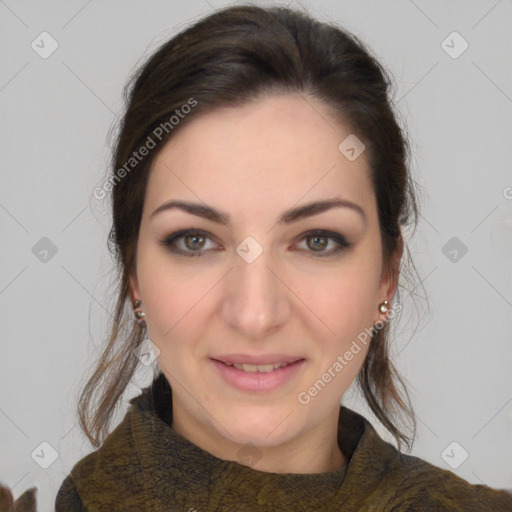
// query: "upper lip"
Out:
[262,359]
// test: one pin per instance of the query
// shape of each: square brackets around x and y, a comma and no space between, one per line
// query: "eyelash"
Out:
[170,241]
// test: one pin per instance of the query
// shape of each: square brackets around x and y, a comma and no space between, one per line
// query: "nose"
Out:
[257,298]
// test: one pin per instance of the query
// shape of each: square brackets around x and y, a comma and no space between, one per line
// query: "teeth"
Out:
[265,368]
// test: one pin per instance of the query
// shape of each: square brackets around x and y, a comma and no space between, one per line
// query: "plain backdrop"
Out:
[56,112]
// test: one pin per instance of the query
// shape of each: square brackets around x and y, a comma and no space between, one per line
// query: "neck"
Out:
[315,451]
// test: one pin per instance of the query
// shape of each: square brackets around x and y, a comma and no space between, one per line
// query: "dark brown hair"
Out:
[229,58]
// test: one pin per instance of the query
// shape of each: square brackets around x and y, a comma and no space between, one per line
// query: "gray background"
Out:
[56,114]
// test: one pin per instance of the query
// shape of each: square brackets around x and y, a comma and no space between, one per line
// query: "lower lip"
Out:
[257,381]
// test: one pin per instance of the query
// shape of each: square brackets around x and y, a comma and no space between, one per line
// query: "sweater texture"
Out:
[144,465]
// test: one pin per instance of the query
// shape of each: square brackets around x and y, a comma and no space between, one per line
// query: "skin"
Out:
[253,163]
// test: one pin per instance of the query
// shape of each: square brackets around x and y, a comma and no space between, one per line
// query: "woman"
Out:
[260,186]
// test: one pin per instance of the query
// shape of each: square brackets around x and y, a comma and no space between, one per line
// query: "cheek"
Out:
[178,301]
[166,292]
[171,306]
[346,313]
[343,296]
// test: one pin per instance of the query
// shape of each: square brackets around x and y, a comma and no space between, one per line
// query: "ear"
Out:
[389,283]
[133,287]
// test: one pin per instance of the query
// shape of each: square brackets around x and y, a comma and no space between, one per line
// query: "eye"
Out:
[195,241]
[318,240]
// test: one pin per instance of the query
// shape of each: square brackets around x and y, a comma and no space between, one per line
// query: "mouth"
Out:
[257,373]
[262,364]
[263,368]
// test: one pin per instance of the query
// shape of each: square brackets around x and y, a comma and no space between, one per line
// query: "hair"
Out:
[229,58]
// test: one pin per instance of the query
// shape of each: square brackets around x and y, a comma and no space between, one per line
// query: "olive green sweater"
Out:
[144,465]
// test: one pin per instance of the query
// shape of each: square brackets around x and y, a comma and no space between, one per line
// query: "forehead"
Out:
[279,149]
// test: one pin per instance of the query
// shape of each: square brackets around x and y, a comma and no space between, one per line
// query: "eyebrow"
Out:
[287,217]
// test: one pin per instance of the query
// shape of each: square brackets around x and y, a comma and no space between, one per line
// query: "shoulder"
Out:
[105,473]
[421,486]
[405,483]
[68,499]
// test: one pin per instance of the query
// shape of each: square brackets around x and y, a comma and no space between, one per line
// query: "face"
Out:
[258,284]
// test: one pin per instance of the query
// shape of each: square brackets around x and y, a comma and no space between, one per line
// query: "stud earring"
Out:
[138,312]
[383,306]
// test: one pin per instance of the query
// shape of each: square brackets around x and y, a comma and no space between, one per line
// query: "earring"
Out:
[138,312]
[383,306]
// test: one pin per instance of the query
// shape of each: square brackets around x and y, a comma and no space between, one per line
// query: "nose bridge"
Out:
[257,298]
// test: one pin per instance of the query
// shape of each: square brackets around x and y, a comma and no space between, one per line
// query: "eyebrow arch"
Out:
[287,217]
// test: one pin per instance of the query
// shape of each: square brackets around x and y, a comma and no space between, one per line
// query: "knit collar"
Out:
[215,482]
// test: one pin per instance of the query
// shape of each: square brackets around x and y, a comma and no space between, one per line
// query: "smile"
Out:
[264,368]
[251,377]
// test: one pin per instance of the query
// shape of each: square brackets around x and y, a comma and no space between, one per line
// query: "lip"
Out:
[258,381]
